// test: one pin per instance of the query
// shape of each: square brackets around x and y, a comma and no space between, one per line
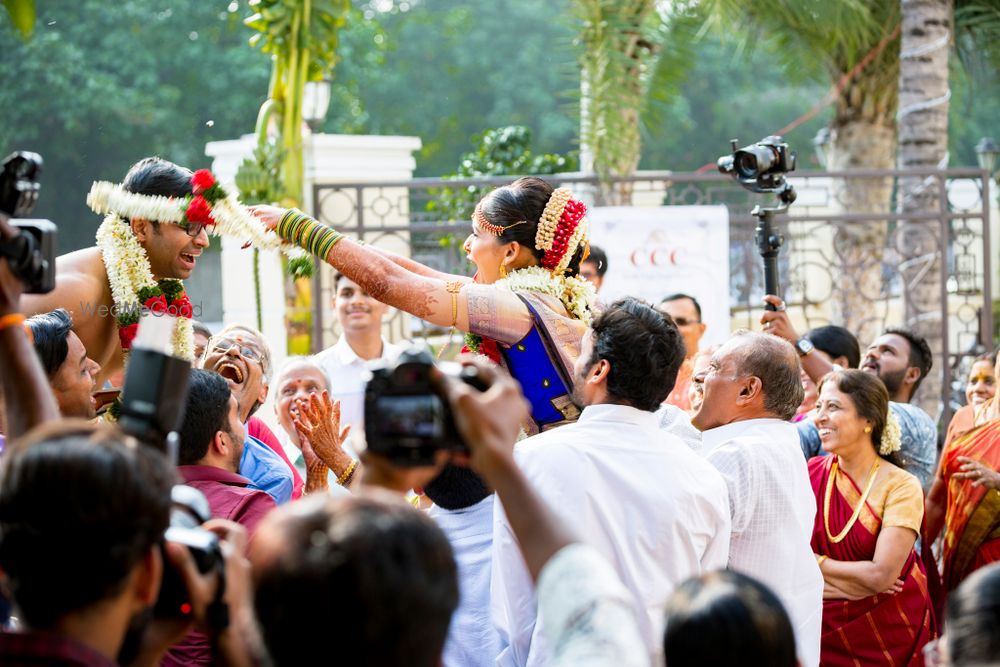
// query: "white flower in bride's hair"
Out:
[891,436]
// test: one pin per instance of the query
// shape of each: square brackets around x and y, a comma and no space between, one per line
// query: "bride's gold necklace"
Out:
[830,482]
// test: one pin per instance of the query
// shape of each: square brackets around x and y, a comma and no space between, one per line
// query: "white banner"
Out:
[655,252]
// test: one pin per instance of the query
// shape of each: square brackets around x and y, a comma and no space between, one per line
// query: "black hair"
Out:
[972,616]
[679,295]
[206,413]
[645,351]
[776,363]
[379,571]
[50,332]
[871,401]
[156,176]
[456,487]
[80,507]
[920,355]
[599,259]
[201,328]
[523,200]
[726,618]
[837,342]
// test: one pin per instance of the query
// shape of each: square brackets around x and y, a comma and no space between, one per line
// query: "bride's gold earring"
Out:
[868,429]
[503,269]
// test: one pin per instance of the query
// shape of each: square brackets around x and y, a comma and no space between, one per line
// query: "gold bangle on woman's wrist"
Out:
[348,475]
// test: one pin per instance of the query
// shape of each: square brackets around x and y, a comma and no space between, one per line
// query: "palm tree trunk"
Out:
[863,135]
[923,142]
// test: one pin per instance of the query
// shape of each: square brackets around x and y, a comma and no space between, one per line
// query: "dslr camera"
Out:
[407,415]
[152,409]
[760,167]
[31,253]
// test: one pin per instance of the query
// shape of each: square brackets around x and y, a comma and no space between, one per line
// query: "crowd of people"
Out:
[622,497]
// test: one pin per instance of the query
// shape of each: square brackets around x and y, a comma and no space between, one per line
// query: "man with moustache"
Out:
[901,359]
[82,284]
[240,355]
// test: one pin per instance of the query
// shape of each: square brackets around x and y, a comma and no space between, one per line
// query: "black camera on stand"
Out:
[407,415]
[31,253]
[761,168]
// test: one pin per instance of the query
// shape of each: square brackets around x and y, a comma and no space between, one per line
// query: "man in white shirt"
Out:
[752,387]
[344,363]
[648,504]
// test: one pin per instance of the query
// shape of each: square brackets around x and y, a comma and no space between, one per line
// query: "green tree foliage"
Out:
[301,36]
[446,70]
[502,151]
[101,85]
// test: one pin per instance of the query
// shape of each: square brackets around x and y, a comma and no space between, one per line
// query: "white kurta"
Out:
[773,512]
[655,510]
[347,383]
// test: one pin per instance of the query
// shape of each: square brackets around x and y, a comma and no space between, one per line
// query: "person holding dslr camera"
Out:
[83,512]
[382,573]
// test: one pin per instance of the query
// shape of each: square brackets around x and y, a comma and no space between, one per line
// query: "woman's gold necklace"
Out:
[857,510]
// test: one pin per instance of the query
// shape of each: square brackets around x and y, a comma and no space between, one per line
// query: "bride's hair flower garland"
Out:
[576,295]
[208,204]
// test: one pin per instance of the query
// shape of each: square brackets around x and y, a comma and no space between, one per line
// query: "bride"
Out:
[525,308]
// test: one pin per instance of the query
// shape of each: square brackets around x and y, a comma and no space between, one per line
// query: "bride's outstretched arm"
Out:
[440,300]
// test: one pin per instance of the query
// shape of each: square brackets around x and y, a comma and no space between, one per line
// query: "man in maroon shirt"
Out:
[211,444]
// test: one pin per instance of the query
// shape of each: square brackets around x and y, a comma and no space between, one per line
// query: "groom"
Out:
[82,284]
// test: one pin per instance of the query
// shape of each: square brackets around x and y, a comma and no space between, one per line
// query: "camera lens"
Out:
[746,165]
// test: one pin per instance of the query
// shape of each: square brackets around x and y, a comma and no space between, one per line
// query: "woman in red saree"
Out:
[876,606]
[965,500]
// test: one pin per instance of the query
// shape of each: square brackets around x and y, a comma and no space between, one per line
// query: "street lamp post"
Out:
[315,103]
[986,154]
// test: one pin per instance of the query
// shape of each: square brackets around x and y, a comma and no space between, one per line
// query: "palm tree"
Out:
[618,41]
[926,41]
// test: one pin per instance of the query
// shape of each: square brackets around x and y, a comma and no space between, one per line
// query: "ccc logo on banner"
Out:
[658,256]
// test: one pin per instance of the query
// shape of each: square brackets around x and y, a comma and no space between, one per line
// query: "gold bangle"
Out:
[454,287]
[348,474]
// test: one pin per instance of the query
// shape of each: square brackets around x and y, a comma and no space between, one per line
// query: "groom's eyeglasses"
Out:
[192,229]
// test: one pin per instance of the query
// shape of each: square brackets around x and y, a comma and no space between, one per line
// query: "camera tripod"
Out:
[768,240]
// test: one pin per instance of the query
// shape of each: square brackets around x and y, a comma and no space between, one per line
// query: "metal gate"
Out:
[868,270]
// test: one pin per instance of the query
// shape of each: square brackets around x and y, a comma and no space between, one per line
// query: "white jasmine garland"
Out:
[892,436]
[578,296]
[231,217]
[127,266]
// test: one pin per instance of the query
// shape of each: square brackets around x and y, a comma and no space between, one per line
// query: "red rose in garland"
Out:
[199,210]
[156,304]
[182,307]
[202,180]
[127,334]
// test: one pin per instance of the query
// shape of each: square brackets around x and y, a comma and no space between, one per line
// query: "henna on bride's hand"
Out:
[414,296]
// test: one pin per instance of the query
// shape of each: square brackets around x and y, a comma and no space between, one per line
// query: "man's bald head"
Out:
[776,363]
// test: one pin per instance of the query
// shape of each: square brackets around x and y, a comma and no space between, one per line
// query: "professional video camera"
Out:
[31,252]
[407,416]
[152,409]
[761,168]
